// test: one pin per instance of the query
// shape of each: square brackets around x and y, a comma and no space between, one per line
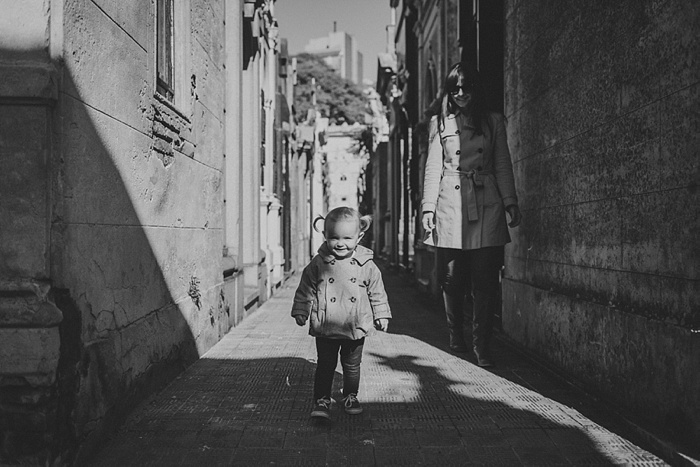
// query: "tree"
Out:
[337,98]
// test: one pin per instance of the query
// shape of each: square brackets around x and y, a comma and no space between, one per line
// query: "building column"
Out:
[250,215]
[233,163]
[274,225]
[318,207]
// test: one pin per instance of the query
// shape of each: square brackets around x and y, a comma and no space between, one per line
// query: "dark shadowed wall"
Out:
[603,276]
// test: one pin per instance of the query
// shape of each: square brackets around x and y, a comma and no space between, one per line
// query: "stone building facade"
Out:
[344,166]
[339,51]
[601,98]
[142,210]
[602,278]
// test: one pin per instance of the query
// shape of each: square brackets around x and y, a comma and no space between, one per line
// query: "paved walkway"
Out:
[247,402]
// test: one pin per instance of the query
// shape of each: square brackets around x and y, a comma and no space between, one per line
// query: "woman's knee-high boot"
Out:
[454,312]
[482,325]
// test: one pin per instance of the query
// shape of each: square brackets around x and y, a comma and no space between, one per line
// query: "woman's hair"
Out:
[343,213]
[470,77]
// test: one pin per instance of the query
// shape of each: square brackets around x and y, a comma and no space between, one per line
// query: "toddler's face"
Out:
[342,237]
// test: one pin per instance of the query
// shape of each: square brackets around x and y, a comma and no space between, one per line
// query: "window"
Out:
[165,84]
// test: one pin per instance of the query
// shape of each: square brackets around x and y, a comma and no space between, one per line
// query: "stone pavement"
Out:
[247,402]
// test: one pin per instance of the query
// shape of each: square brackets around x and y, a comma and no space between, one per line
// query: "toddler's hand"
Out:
[381,324]
[301,320]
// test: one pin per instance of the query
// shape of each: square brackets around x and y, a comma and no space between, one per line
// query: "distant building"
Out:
[344,166]
[339,51]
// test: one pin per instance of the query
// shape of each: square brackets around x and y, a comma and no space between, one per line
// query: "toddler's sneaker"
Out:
[352,405]
[322,409]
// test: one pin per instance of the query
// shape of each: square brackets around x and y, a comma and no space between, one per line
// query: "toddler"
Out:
[342,292]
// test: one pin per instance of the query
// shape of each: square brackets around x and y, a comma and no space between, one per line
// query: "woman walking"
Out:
[468,188]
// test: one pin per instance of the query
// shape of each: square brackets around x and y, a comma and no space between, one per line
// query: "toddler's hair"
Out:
[343,213]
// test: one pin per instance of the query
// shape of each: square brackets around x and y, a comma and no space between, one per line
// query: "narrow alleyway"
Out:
[247,402]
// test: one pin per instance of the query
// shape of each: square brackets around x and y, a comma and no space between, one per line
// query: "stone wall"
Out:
[141,226]
[29,318]
[602,279]
[111,267]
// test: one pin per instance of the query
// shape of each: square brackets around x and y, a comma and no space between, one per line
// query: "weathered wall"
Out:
[139,237]
[29,319]
[111,200]
[602,279]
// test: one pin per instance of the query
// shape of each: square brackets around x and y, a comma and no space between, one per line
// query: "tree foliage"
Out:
[336,98]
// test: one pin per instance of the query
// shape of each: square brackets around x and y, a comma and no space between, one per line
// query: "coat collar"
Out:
[361,255]
[462,119]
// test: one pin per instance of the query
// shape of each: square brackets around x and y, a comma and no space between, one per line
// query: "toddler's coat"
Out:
[341,297]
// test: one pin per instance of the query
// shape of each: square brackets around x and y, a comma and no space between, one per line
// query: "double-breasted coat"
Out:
[468,183]
[341,297]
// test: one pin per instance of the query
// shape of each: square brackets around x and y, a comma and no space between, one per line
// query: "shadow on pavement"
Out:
[429,326]
[248,403]
[255,412]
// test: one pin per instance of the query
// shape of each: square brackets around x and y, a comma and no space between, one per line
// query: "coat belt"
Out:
[475,178]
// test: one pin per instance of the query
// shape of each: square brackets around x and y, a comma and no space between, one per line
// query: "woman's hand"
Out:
[381,324]
[515,217]
[428,221]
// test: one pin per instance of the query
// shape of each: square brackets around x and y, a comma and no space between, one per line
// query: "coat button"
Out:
[480,150]
[457,132]
[458,152]
[332,299]
[353,299]
[353,280]
[333,262]
[456,187]
[331,280]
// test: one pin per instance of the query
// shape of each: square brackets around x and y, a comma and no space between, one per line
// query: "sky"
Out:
[301,20]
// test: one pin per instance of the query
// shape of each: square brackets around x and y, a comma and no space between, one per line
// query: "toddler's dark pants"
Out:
[350,358]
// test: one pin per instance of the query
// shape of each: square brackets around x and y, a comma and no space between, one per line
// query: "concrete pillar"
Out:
[275,251]
[233,142]
[318,207]
[233,162]
[274,226]
[265,286]
[270,105]
[250,216]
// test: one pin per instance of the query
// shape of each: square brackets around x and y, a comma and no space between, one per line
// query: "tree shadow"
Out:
[511,365]
[256,412]
[422,405]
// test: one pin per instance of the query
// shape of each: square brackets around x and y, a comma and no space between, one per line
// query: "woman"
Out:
[468,188]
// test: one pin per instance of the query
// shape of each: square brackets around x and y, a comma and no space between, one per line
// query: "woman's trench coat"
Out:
[468,182]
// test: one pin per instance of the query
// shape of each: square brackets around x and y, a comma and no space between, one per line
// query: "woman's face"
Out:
[462,94]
